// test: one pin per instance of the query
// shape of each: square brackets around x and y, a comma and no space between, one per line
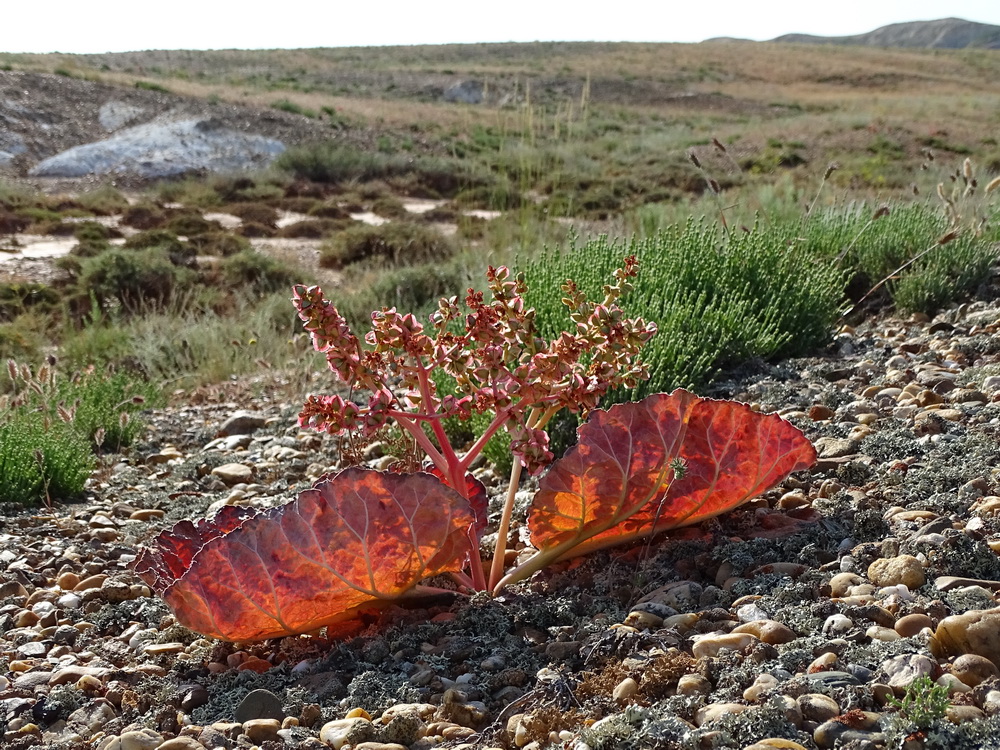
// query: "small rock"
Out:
[904,669]
[261,730]
[903,569]
[625,690]
[181,743]
[137,739]
[340,732]
[961,714]
[763,684]
[259,704]
[711,645]
[768,631]
[714,711]
[233,473]
[973,669]
[974,632]
[693,684]
[242,422]
[909,625]
[818,707]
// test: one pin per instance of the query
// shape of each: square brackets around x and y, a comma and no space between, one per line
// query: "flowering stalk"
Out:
[499,363]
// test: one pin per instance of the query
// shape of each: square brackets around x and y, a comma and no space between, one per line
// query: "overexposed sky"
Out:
[120,25]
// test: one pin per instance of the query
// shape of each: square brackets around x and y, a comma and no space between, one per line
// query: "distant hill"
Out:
[945,33]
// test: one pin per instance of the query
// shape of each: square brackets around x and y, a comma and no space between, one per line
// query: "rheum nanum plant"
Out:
[366,537]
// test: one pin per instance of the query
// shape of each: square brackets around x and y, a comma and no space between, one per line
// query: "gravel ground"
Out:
[792,622]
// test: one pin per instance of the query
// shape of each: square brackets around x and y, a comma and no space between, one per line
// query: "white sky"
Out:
[120,25]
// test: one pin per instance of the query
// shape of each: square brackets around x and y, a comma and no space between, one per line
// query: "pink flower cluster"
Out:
[493,352]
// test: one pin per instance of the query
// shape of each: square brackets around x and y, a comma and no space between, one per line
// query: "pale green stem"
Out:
[536,421]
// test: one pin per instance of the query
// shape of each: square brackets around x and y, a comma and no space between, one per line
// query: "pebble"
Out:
[693,684]
[818,707]
[181,743]
[625,690]
[973,669]
[714,711]
[340,732]
[137,739]
[973,632]
[233,473]
[261,730]
[712,645]
[909,625]
[259,704]
[903,569]
[768,631]
[904,669]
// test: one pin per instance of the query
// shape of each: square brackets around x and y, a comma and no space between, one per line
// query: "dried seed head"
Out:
[883,210]
[967,168]
[944,240]
[993,185]
[12,365]
[831,168]
[694,159]
[940,192]
[714,185]
[718,145]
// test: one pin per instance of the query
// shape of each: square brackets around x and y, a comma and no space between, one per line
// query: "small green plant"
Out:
[924,703]
[50,425]
[150,86]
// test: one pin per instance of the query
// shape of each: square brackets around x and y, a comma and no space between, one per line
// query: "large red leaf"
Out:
[362,536]
[618,482]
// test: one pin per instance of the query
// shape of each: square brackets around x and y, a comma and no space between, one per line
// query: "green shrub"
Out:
[717,301]
[219,244]
[874,249]
[262,274]
[19,297]
[143,216]
[102,201]
[136,279]
[286,105]
[313,228]
[415,289]
[191,224]
[258,213]
[150,86]
[41,459]
[164,239]
[50,423]
[395,243]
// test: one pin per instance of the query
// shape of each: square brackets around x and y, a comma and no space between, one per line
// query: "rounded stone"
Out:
[712,645]
[261,730]
[909,625]
[973,669]
[340,732]
[761,685]
[693,684]
[180,743]
[233,473]
[137,739]
[259,704]
[714,711]
[768,631]
[974,632]
[902,670]
[893,571]
[818,707]
[625,690]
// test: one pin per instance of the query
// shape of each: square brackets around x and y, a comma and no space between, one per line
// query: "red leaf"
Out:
[358,538]
[615,484]
[474,491]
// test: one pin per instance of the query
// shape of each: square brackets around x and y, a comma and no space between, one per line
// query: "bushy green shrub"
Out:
[395,244]
[717,300]
[136,279]
[218,243]
[41,459]
[257,213]
[261,274]
[415,289]
[876,248]
[49,425]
